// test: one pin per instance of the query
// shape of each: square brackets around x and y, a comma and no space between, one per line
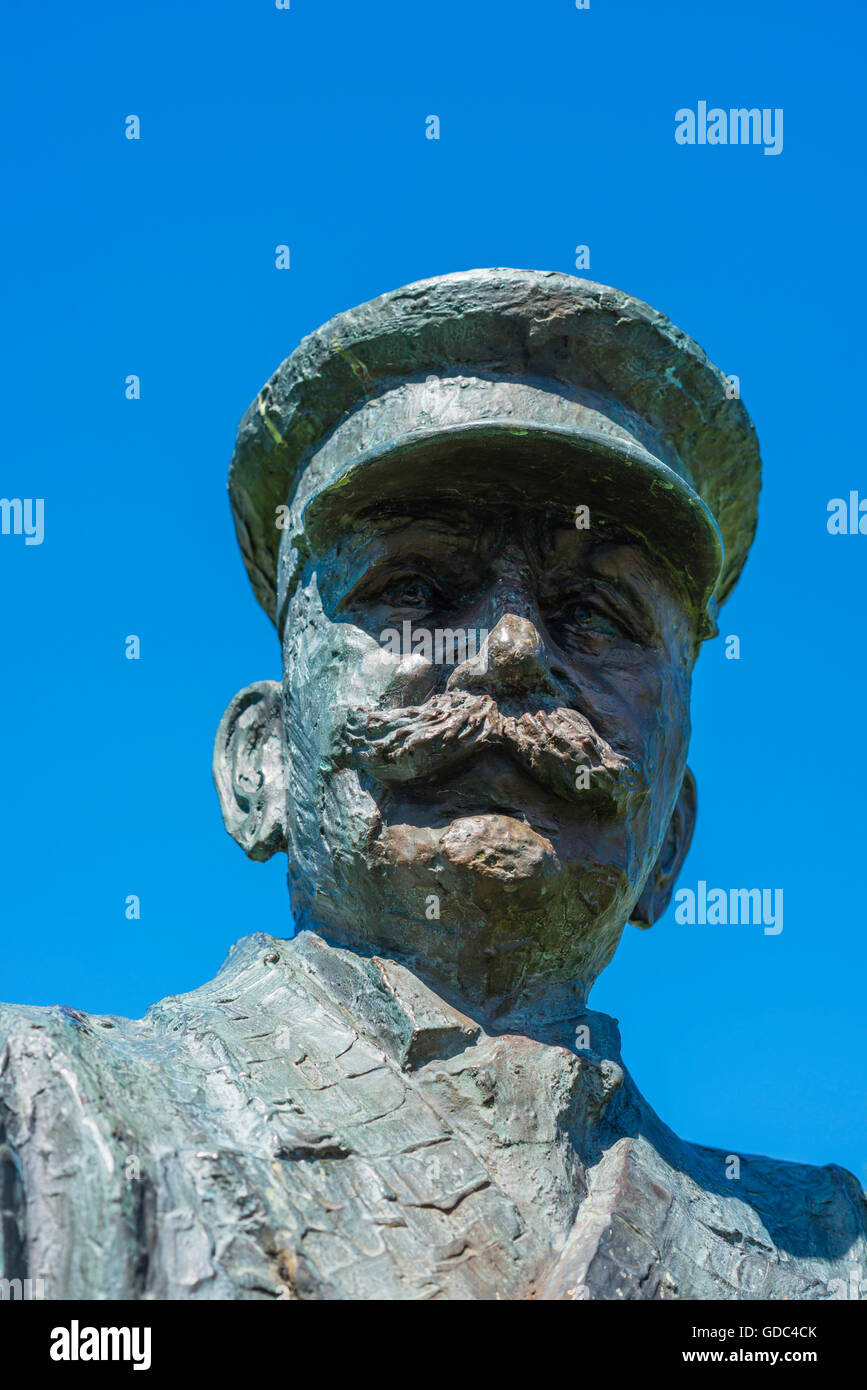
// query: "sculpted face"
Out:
[476,760]
[493,820]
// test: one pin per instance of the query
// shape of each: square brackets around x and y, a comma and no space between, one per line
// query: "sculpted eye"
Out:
[591,621]
[409,591]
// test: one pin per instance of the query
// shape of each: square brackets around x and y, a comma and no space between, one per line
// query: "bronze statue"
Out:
[492,515]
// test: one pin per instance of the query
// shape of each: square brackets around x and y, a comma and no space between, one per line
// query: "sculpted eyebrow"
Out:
[418,535]
[570,576]
[421,551]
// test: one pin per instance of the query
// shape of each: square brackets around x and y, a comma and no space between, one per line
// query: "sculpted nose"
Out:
[511,661]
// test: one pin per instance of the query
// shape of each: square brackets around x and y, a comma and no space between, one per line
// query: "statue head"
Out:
[492,516]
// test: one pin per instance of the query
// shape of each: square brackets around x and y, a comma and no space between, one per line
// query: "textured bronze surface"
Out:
[411,1099]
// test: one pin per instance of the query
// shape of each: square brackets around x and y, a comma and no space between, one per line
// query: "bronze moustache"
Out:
[423,742]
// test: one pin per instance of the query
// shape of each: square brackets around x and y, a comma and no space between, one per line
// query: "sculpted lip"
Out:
[490,786]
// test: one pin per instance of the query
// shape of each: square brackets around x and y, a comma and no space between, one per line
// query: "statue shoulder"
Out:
[805,1207]
[30,1031]
[50,1055]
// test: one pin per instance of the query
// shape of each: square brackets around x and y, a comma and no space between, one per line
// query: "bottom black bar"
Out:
[63,1339]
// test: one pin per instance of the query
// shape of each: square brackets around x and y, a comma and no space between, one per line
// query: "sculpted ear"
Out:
[657,891]
[249,770]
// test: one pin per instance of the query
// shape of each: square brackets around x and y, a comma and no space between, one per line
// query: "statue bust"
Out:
[492,516]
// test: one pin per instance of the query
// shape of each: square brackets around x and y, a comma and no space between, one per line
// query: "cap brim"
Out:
[527,464]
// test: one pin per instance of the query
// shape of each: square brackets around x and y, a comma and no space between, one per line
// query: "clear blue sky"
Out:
[156,257]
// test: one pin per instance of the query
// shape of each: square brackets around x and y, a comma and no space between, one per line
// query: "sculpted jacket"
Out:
[314,1124]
